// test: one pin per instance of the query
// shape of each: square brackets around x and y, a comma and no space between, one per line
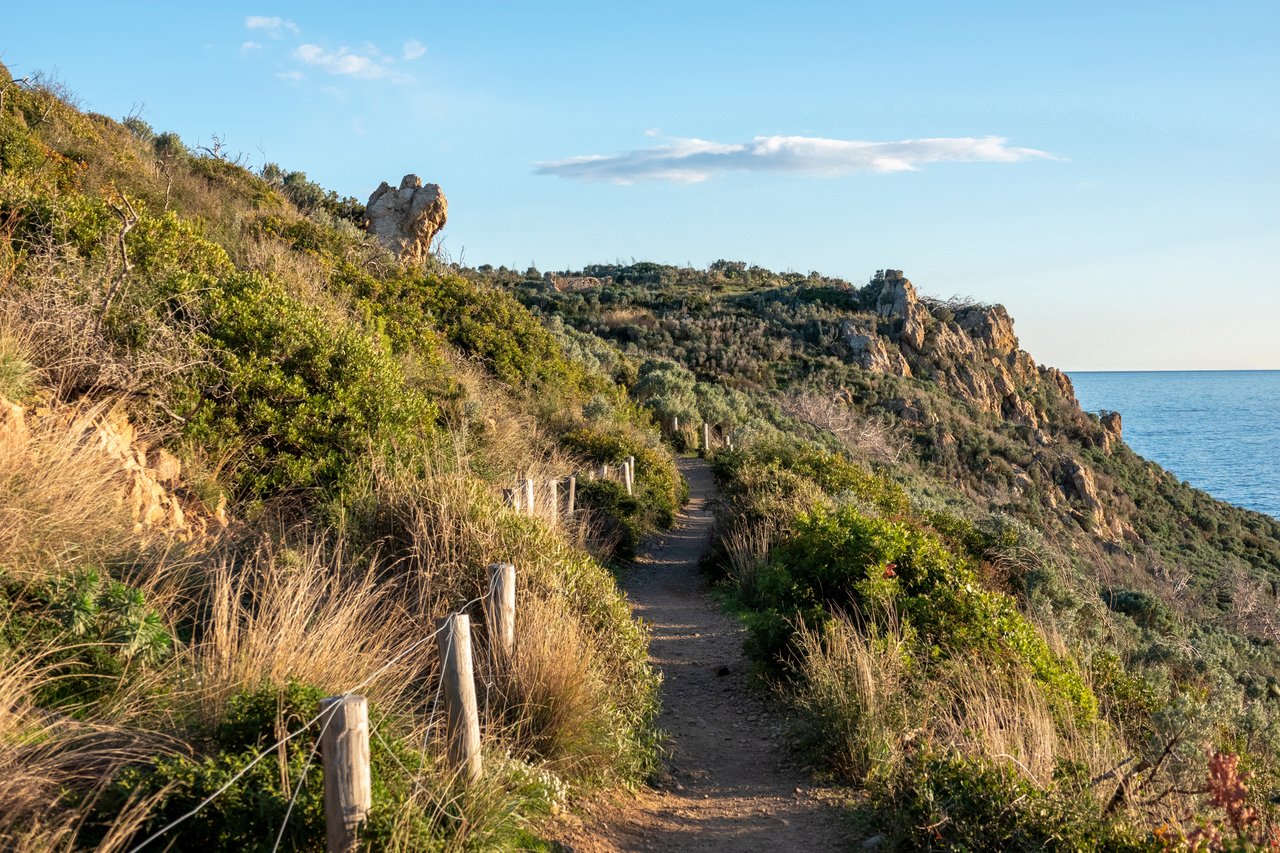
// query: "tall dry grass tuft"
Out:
[301,613]
[1002,716]
[747,547]
[548,700]
[61,499]
[855,695]
[867,702]
[47,758]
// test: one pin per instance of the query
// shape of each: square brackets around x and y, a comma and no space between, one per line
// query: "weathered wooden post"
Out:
[500,608]
[511,499]
[675,424]
[553,495]
[706,439]
[571,499]
[604,472]
[627,478]
[528,495]
[344,755]
[462,721]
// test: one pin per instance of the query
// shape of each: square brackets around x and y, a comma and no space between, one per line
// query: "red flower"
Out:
[889,570]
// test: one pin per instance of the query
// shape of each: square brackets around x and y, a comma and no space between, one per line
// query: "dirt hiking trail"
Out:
[730,782]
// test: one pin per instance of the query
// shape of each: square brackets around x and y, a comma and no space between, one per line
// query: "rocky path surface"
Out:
[730,783]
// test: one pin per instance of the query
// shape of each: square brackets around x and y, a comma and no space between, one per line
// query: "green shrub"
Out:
[949,802]
[90,632]
[293,395]
[846,561]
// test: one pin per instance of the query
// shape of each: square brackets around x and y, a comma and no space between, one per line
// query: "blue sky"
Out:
[1129,219]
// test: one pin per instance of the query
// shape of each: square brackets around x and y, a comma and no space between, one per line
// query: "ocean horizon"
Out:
[1216,429]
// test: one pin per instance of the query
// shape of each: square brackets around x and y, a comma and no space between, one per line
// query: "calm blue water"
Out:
[1218,430]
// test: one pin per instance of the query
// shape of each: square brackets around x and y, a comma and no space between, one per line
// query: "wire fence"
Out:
[326,714]
[523,502]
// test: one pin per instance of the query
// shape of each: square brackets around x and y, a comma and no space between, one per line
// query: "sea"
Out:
[1218,430]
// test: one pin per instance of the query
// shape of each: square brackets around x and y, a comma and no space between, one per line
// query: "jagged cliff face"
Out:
[972,351]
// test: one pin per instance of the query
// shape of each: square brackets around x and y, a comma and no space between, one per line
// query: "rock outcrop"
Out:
[407,219]
[899,304]
[873,352]
[149,478]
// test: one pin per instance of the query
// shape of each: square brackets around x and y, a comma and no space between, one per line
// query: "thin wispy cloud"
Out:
[414,49]
[345,62]
[250,47]
[271,26]
[691,161]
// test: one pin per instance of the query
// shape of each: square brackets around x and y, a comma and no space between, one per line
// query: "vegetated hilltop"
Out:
[1015,632]
[247,460]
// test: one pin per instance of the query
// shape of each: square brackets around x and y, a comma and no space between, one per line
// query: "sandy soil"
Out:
[731,784]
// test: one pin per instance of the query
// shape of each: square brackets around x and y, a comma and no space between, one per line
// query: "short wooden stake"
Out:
[626,478]
[706,438]
[553,497]
[604,472]
[462,722]
[675,423]
[500,608]
[344,755]
[573,495]
[528,496]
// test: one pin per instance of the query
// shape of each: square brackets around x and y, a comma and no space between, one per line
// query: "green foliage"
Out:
[658,489]
[949,802]
[296,393]
[88,630]
[848,562]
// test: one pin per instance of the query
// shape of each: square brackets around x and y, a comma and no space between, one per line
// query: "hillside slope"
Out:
[248,460]
[921,521]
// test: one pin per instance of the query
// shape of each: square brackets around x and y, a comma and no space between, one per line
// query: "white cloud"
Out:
[693,160]
[292,76]
[250,47]
[348,63]
[414,49]
[272,26]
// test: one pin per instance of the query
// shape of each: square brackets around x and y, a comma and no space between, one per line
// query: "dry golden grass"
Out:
[855,693]
[45,755]
[300,613]
[872,704]
[61,499]
[548,697]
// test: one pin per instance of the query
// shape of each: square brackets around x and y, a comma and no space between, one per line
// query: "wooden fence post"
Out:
[553,496]
[462,721]
[344,755]
[573,495]
[627,479]
[706,438]
[675,424]
[604,472]
[511,499]
[528,495]
[500,608]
